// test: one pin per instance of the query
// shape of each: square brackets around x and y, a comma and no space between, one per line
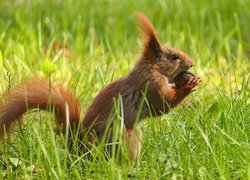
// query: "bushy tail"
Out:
[38,93]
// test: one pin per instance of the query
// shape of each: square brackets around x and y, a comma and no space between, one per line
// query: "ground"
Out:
[86,44]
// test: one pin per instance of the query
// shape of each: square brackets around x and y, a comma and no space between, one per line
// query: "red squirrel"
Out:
[152,78]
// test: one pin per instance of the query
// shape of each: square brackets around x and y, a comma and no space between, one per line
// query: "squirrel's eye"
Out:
[175,57]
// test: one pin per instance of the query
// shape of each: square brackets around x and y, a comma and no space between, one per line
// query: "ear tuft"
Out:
[149,35]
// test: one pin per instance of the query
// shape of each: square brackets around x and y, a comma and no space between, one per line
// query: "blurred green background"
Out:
[86,44]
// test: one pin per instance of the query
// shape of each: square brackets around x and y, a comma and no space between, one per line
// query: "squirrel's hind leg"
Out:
[134,143]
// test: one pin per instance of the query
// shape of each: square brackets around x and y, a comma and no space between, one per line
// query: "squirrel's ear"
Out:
[151,42]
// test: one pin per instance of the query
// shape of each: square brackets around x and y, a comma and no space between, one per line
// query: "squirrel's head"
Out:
[167,61]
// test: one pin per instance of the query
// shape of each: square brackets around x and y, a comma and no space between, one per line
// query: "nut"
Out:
[182,78]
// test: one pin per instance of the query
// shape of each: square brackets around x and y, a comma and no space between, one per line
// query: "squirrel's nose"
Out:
[190,63]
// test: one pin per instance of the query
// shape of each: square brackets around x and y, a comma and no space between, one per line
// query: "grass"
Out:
[207,137]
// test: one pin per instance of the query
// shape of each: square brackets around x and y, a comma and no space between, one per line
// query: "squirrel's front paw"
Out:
[191,85]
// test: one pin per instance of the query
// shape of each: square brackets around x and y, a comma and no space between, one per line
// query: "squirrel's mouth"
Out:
[182,73]
[179,74]
[171,79]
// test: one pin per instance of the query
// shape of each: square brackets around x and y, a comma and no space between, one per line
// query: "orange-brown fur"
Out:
[151,80]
